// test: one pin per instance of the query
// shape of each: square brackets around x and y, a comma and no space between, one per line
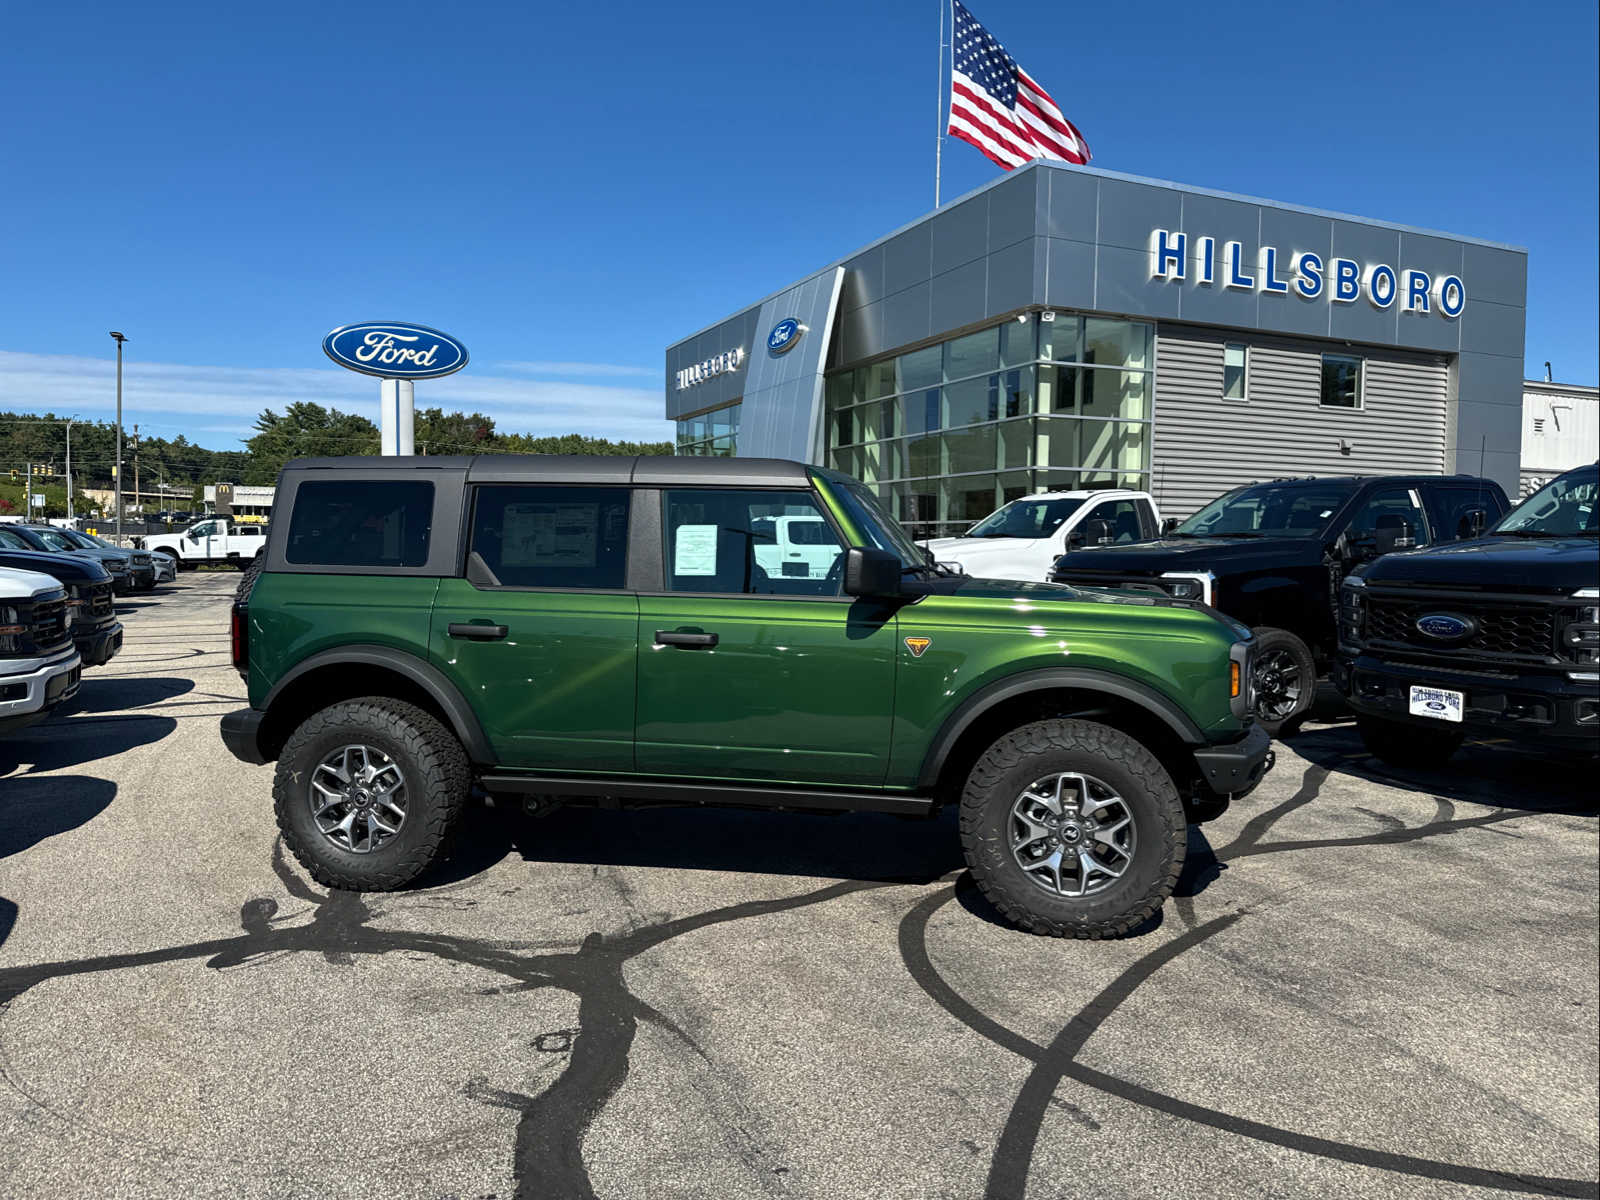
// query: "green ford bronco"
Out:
[622,628]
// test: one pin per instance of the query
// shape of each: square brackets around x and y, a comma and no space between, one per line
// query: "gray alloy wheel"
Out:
[357,795]
[1072,834]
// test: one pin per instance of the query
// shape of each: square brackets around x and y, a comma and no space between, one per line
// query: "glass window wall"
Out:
[946,434]
[715,434]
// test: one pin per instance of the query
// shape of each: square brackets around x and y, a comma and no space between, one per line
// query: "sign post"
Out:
[397,353]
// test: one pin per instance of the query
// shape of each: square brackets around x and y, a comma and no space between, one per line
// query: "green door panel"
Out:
[796,690]
[557,692]
[294,616]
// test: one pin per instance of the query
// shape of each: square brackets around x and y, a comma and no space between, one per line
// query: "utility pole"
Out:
[136,501]
[69,469]
[27,505]
[119,339]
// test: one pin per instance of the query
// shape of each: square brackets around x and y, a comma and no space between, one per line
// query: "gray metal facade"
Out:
[1081,239]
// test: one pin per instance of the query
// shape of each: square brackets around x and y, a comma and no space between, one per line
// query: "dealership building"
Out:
[1066,327]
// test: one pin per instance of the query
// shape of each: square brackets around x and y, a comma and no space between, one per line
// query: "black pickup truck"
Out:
[1274,554]
[1497,636]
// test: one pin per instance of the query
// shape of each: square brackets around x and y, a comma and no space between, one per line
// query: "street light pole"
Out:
[70,420]
[119,339]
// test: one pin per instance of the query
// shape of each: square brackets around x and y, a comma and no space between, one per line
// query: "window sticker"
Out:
[694,550]
[550,534]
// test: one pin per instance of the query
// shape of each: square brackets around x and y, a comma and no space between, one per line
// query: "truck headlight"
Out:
[1580,639]
[11,630]
[1352,610]
[1190,585]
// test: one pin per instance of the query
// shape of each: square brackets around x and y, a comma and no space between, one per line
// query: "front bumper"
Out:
[144,577]
[30,693]
[241,730]
[99,645]
[1229,768]
[1548,708]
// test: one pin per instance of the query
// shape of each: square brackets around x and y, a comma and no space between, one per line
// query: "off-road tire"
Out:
[1402,744]
[241,594]
[1269,640]
[437,780]
[1033,751]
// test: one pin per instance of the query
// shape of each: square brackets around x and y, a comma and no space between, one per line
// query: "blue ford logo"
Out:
[1442,627]
[395,350]
[784,335]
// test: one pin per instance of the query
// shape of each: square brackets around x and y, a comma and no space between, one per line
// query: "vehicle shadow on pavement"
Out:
[1495,774]
[115,693]
[851,846]
[57,745]
[33,809]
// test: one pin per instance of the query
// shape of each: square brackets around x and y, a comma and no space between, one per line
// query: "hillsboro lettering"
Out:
[1204,262]
[717,364]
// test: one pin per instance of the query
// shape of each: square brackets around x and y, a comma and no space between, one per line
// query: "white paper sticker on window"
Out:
[550,534]
[694,550]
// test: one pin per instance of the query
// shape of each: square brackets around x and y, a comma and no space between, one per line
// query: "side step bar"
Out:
[739,795]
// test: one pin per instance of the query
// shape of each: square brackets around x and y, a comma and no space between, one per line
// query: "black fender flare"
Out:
[429,678]
[1082,679]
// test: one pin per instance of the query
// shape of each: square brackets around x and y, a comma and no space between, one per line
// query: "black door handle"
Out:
[693,641]
[477,633]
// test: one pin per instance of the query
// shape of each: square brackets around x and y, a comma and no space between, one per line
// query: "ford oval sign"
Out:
[1443,627]
[784,335]
[395,350]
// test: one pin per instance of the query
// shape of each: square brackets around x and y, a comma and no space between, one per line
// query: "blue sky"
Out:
[569,188]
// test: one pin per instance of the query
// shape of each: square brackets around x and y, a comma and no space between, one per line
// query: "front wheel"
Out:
[366,792]
[1401,744]
[1284,680]
[1072,829]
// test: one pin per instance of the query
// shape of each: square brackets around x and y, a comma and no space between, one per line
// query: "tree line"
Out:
[302,430]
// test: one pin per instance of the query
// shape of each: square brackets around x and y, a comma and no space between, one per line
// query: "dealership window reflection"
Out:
[946,434]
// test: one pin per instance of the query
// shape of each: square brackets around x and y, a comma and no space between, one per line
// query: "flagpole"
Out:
[938,138]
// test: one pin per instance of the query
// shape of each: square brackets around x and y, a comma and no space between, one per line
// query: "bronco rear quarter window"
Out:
[360,523]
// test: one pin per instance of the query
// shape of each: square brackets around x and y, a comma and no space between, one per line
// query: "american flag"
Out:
[996,105]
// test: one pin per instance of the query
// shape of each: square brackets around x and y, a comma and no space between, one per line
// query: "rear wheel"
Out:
[1284,679]
[366,792]
[1405,745]
[1072,829]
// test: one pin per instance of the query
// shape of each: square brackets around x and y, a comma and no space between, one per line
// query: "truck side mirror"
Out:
[1474,521]
[1169,525]
[869,571]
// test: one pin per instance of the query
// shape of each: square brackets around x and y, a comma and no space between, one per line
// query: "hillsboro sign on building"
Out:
[1068,327]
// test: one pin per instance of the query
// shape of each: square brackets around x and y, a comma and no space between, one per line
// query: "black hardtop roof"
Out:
[659,470]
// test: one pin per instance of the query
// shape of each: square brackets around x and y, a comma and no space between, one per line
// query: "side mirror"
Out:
[1169,525]
[871,572]
[1476,521]
[1393,537]
[1099,533]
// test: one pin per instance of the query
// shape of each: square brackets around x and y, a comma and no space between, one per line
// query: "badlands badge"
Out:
[917,645]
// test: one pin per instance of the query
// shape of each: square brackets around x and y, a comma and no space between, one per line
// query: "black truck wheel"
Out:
[366,792]
[1072,829]
[1402,744]
[1285,680]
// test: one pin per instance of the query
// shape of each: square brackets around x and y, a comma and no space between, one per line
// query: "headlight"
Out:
[1190,585]
[1580,639]
[1352,610]
[10,630]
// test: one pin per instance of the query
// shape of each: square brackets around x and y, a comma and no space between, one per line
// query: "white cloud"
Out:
[580,369]
[224,401]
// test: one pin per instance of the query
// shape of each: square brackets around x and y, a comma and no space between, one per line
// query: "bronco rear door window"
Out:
[553,537]
[361,523]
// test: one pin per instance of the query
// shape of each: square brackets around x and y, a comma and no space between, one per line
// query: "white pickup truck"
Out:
[796,547]
[213,540]
[1023,539]
[39,665]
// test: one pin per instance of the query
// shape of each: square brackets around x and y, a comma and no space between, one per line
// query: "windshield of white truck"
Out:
[1025,518]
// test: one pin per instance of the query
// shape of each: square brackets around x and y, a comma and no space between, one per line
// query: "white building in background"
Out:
[1560,430]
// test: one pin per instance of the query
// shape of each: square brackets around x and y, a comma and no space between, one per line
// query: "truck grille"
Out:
[46,623]
[98,601]
[1522,631]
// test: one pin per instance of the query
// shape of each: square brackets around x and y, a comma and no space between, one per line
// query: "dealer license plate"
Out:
[1436,703]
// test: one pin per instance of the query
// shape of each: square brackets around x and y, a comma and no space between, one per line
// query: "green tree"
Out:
[574,443]
[305,430]
[439,432]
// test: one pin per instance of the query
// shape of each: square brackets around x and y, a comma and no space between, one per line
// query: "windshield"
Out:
[52,539]
[876,525]
[1299,509]
[81,540]
[1564,507]
[1026,518]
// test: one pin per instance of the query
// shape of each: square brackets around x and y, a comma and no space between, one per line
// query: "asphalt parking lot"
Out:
[1371,983]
